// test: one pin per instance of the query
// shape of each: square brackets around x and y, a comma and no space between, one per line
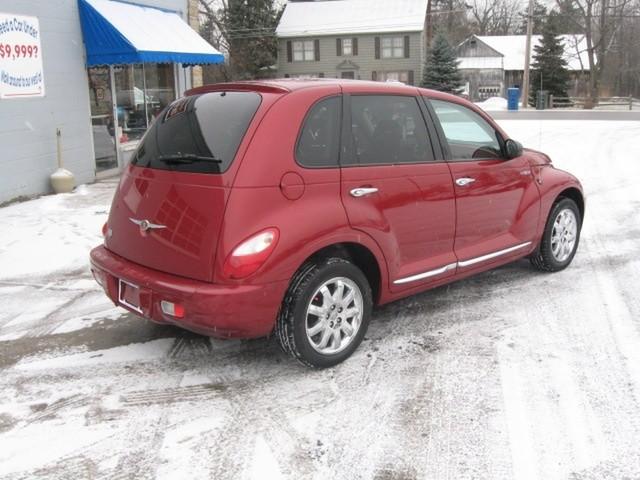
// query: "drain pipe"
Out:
[62,180]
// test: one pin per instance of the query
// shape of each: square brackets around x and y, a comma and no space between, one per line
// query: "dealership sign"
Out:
[20,57]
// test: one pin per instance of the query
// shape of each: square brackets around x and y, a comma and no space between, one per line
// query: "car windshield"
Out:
[198,134]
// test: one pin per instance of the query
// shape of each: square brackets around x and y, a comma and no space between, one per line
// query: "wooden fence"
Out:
[579,102]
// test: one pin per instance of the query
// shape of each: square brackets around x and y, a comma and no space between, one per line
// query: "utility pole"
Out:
[527,58]
[429,25]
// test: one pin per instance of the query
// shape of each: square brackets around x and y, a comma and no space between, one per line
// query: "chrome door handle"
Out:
[464,181]
[362,191]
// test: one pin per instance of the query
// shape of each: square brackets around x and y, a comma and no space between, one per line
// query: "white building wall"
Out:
[28,125]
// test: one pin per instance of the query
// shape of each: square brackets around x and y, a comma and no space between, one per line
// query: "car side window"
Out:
[469,135]
[319,141]
[388,130]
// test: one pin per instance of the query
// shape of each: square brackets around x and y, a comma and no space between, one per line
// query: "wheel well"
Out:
[360,256]
[575,195]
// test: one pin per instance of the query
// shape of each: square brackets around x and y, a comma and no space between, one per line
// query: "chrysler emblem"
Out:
[145,225]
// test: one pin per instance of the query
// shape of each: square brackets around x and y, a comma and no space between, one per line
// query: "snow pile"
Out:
[52,234]
[493,104]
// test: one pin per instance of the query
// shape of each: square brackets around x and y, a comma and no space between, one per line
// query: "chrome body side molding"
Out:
[430,273]
[489,256]
[463,263]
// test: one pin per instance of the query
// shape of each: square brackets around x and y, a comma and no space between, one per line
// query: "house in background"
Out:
[360,39]
[491,64]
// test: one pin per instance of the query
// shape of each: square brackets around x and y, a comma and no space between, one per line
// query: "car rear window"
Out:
[198,134]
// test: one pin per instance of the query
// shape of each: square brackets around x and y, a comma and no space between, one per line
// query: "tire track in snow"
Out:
[51,410]
[246,426]
[553,424]
[170,395]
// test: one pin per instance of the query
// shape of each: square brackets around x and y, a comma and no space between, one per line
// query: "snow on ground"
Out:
[512,374]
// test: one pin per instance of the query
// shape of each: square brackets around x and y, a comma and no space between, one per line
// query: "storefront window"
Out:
[161,89]
[141,92]
[130,99]
[104,143]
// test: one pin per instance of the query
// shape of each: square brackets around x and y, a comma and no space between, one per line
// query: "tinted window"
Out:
[388,129]
[199,134]
[319,141]
[468,134]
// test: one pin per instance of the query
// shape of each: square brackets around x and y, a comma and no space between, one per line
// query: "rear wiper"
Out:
[188,158]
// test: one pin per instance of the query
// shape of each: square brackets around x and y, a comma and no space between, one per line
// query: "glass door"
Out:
[131,105]
[125,100]
[142,92]
[160,87]
[102,122]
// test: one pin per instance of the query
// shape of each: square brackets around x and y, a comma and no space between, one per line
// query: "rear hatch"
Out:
[169,207]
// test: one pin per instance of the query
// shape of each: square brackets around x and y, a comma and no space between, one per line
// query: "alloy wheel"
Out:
[564,234]
[334,315]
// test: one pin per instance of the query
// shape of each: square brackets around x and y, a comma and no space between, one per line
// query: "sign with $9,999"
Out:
[20,57]
[18,51]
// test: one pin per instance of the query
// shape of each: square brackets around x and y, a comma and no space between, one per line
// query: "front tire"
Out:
[560,238]
[325,313]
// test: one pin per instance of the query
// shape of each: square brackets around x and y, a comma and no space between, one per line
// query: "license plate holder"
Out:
[129,295]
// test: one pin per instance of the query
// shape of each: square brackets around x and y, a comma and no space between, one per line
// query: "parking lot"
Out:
[510,374]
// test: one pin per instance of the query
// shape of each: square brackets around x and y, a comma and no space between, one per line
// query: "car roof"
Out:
[286,85]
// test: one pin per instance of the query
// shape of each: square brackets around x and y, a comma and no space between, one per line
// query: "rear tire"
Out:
[325,313]
[560,238]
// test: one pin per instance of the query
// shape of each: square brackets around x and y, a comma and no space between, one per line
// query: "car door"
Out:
[395,189]
[497,200]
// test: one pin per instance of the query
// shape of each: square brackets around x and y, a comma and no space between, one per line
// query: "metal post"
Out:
[59,146]
[144,96]
[114,106]
[527,58]
[176,81]
[630,102]
[429,22]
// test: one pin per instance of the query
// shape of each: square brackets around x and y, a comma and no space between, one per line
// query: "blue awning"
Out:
[118,33]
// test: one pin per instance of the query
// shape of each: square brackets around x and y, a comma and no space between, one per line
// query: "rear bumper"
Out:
[224,311]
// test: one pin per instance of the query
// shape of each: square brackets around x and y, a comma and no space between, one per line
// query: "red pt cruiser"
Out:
[294,206]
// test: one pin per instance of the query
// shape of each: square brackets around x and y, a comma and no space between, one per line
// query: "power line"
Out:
[326,29]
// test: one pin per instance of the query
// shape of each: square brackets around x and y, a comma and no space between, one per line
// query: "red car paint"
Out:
[418,221]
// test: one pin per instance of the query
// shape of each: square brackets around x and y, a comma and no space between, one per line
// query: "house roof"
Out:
[339,17]
[512,48]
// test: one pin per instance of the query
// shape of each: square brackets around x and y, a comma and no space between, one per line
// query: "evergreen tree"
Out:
[549,68]
[441,67]
[245,30]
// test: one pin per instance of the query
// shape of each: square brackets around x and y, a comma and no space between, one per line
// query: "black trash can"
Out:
[542,99]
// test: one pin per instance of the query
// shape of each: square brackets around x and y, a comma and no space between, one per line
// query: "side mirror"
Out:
[512,148]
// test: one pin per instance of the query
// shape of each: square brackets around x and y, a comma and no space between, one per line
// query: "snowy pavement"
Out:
[512,374]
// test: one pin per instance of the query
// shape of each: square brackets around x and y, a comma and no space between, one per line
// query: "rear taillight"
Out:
[249,256]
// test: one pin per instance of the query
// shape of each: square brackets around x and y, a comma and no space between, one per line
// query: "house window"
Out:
[347,47]
[395,76]
[392,47]
[303,51]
